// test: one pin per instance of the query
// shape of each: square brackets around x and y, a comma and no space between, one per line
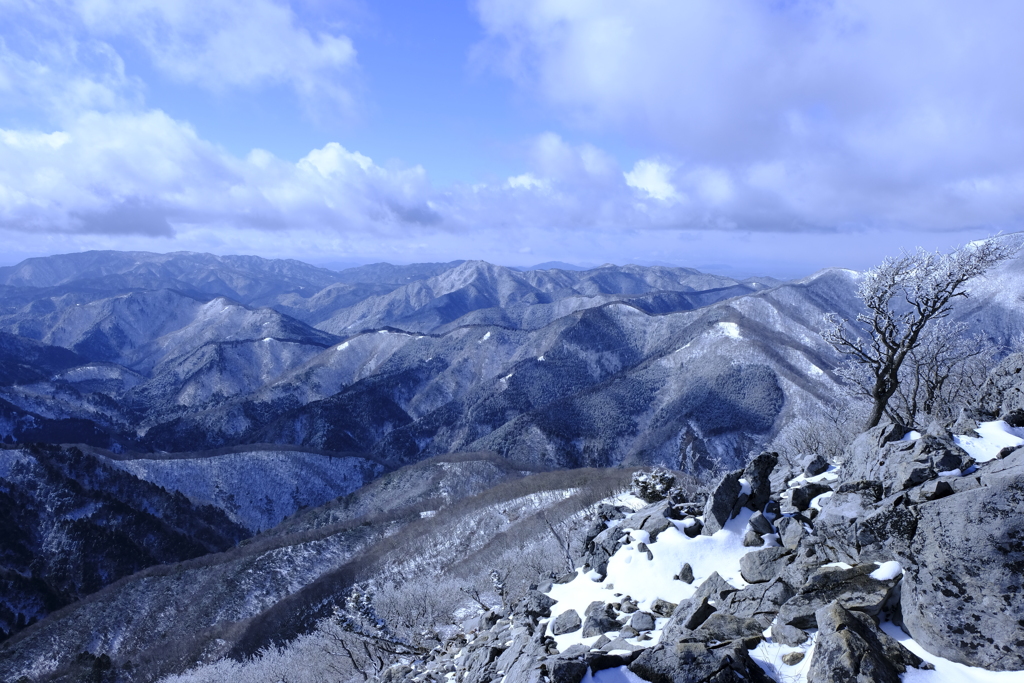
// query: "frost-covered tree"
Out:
[943,374]
[652,485]
[902,296]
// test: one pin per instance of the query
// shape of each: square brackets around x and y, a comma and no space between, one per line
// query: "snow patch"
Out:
[730,330]
[887,571]
[992,437]
[484,338]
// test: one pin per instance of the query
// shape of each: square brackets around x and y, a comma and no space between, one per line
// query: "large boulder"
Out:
[758,474]
[853,588]
[719,508]
[763,565]
[851,649]
[963,596]
[697,663]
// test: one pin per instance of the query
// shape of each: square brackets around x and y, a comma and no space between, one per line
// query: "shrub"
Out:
[652,485]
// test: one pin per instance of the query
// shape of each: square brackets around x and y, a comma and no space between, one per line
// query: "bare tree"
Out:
[902,296]
[943,374]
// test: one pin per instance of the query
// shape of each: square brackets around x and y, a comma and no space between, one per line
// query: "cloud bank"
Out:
[799,117]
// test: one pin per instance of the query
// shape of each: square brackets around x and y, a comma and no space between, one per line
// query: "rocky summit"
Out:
[908,555]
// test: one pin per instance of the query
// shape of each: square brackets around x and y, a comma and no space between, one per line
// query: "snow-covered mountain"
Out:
[407,362]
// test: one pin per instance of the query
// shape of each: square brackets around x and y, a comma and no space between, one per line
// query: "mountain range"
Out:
[275,432]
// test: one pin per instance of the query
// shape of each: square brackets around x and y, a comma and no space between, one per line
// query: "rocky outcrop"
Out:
[911,531]
[851,649]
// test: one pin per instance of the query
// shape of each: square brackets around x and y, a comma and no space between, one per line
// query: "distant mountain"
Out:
[550,367]
[552,265]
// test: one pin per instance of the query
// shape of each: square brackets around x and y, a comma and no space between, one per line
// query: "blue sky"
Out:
[742,136]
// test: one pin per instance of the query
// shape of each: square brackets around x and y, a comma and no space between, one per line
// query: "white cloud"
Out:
[224,43]
[652,177]
[59,55]
[806,114]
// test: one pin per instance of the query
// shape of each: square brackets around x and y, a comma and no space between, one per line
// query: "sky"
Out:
[745,137]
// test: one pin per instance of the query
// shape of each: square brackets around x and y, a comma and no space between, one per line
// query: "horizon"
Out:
[739,138]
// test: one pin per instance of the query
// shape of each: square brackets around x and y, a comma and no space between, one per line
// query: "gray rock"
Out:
[642,621]
[697,663]
[653,519]
[760,601]
[752,539]
[815,466]
[628,632]
[791,530]
[720,505]
[663,608]
[759,523]
[758,474]
[888,530]
[962,593]
[620,643]
[566,622]
[788,635]
[803,495]
[723,627]
[601,642]
[853,588]
[793,658]
[565,670]
[835,525]
[600,618]
[535,605]
[685,574]
[692,612]
[763,565]
[851,649]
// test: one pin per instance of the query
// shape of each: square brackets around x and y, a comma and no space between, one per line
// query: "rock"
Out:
[642,621]
[764,565]
[563,670]
[788,635]
[601,642]
[628,605]
[653,519]
[791,530]
[685,574]
[692,527]
[888,530]
[619,643]
[599,661]
[815,466]
[835,525]
[803,495]
[758,475]
[719,507]
[851,649]
[962,593]
[933,490]
[752,539]
[723,627]
[535,605]
[853,588]
[599,619]
[692,612]
[793,658]
[663,608]
[488,619]
[759,601]
[566,622]
[697,663]
[780,479]
[759,523]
